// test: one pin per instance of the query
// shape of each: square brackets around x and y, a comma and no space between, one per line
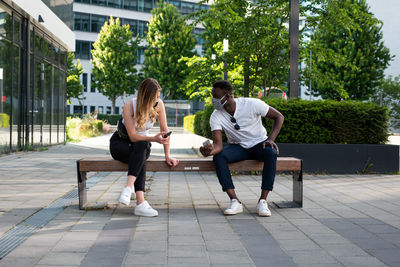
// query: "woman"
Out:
[139,115]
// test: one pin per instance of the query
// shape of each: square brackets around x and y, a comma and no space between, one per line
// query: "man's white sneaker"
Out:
[125,197]
[144,209]
[235,208]
[262,208]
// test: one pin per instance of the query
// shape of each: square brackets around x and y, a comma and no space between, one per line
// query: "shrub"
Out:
[109,118]
[78,129]
[327,122]
[188,123]
[197,123]
[4,120]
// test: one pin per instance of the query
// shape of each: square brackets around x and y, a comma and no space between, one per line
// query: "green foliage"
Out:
[204,71]
[74,85]
[78,129]
[197,126]
[169,38]
[258,40]
[324,122]
[348,54]
[109,118]
[4,120]
[114,59]
[205,122]
[388,94]
[188,123]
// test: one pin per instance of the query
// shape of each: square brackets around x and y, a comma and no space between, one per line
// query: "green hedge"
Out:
[322,122]
[109,118]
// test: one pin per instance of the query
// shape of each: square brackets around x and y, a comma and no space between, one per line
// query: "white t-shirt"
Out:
[248,115]
[149,124]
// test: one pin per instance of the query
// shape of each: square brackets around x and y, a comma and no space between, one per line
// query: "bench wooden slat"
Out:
[206,164]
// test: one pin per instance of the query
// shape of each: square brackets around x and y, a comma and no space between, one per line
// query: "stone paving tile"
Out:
[347,220]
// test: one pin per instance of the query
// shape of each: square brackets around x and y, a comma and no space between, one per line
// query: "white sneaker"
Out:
[125,197]
[144,209]
[235,208]
[262,208]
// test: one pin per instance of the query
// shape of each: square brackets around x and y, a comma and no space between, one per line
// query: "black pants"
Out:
[133,153]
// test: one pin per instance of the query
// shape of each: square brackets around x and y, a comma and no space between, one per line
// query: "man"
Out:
[240,118]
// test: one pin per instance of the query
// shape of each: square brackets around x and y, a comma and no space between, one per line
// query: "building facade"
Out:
[89,17]
[33,47]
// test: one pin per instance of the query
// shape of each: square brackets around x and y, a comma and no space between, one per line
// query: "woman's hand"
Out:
[160,139]
[171,161]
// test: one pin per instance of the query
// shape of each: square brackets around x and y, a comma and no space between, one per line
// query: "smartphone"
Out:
[167,134]
[206,143]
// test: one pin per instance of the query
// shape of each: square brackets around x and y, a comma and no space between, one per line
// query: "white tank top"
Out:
[148,125]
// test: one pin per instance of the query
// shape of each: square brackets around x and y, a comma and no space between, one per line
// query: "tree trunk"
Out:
[113,104]
[246,78]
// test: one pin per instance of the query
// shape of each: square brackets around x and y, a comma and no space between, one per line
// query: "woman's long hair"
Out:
[146,96]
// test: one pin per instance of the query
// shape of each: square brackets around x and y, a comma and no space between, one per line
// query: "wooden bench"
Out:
[284,164]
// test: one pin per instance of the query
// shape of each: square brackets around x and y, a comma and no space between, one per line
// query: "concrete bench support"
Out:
[284,164]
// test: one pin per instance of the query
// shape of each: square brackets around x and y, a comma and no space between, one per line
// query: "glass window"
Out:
[140,56]
[54,105]
[5,95]
[84,81]
[84,109]
[38,43]
[187,8]
[99,2]
[131,4]
[92,88]
[92,109]
[47,100]
[81,22]
[77,109]
[82,1]
[148,5]
[5,24]
[115,3]
[108,110]
[97,22]
[68,109]
[142,28]
[82,49]
[47,49]
[17,30]
[37,103]
[116,110]
[61,107]
[101,110]
[15,112]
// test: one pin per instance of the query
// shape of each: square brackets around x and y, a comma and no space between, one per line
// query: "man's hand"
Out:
[206,150]
[272,145]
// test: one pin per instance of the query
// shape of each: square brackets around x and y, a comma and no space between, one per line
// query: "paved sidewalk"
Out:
[347,220]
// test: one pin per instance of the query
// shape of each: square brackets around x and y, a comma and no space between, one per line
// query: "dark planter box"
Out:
[342,158]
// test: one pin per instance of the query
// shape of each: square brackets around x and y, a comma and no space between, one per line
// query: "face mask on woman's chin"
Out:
[217,103]
[155,105]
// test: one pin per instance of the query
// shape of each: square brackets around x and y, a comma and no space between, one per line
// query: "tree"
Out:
[169,38]
[114,58]
[388,94]
[348,55]
[258,39]
[74,85]
[204,71]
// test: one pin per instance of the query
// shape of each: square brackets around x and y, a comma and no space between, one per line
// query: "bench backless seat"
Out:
[107,164]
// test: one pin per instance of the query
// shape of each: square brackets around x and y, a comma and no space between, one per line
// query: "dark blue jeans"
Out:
[235,152]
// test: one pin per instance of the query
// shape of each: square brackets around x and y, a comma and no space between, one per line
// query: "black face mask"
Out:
[155,105]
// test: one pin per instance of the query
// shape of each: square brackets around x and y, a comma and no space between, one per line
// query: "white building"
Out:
[89,17]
